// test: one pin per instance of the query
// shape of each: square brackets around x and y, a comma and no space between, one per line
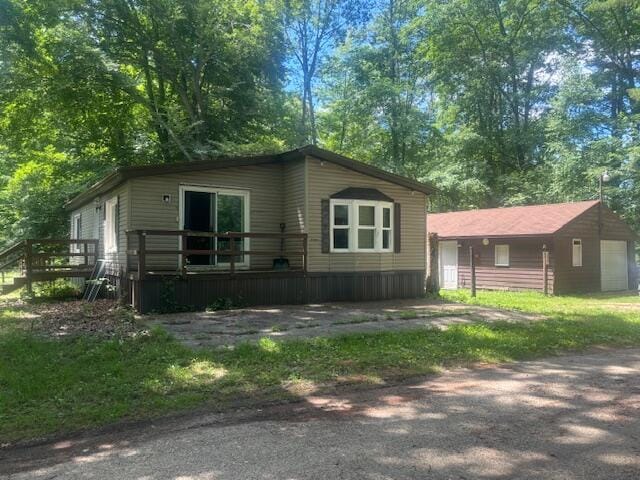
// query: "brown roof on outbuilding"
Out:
[525,221]
[124,173]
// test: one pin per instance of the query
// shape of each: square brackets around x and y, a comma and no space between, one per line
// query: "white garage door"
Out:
[613,261]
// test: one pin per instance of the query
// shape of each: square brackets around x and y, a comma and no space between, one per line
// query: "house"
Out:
[589,248]
[302,226]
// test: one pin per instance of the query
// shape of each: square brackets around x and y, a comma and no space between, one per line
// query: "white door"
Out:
[613,265]
[448,265]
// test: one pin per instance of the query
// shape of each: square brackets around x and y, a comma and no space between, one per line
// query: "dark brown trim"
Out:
[125,173]
[355,193]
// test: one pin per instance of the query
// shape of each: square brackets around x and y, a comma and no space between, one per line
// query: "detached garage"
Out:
[589,248]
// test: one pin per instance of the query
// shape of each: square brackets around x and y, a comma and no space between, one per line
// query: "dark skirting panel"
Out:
[197,292]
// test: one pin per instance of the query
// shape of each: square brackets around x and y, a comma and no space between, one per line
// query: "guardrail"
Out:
[142,251]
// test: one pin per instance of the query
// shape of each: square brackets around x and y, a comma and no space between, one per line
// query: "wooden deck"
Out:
[35,260]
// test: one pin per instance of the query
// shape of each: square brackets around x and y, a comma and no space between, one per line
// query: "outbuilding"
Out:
[589,248]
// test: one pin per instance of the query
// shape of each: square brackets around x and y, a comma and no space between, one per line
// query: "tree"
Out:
[312,29]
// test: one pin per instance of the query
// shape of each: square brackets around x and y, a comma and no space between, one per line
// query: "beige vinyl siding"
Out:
[263,182]
[325,179]
[294,207]
[88,219]
[93,224]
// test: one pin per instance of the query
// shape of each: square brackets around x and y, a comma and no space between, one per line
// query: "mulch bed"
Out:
[103,318]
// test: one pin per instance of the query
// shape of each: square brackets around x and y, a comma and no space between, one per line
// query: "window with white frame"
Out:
[111,225]
[361,226]
[76,231]
[577,252]
[502,256]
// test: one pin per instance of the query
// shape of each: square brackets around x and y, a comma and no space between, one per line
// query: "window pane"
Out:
[340,215]
[341,238]
[367,215]
[386,237]
[230,213]
[386,217]
[366,238]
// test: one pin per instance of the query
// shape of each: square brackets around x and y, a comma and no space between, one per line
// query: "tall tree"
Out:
[492,64]
[312,29]
[378,98]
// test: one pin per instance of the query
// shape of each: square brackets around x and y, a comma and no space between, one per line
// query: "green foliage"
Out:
[59,289]
[495,102]
[226,303]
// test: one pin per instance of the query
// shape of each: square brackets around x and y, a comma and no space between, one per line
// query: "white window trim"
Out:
[110,234]
[504,245]
[76,234]
[574,260]
[353,226]
[247,222]
[348,227]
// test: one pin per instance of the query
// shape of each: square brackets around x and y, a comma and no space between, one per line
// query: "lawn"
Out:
[55,386]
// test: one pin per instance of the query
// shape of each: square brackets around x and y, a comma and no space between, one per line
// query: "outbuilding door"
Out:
[448,265]
[613,265]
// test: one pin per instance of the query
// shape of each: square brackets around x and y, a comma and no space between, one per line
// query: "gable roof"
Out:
[122,174]
[525,221]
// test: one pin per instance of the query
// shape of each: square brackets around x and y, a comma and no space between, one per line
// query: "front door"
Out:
[448,265]
[213,210]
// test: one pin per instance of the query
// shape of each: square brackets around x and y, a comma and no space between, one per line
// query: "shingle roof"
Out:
[532,220]
[123,173]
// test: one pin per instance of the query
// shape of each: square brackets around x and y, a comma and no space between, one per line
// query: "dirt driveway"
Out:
[202,329]
[572,417]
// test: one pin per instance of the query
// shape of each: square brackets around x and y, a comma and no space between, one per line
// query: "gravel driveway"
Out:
[213,329]
[571,417]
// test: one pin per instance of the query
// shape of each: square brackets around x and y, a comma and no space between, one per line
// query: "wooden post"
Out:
[305,253]
[142,247]
[85,249]
[545,269]
[433,268]
[28,264]
[232,250]
[183,257]
[472,264]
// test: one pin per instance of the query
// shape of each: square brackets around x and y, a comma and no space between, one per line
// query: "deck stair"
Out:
[36,260]
[18,282]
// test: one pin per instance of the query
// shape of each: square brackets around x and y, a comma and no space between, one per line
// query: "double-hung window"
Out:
[361,226]
[502,256]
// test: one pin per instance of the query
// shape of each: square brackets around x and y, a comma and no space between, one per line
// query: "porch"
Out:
[165,279]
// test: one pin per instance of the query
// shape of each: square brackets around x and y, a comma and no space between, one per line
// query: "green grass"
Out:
[55,386]
[533,302]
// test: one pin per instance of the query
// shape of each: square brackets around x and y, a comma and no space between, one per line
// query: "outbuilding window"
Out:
[577,252]
[361,226]
[502,256]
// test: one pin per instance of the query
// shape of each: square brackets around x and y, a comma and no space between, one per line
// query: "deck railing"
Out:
[143,251]
[48,259]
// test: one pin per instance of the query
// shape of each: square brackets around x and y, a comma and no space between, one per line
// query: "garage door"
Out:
[613,261]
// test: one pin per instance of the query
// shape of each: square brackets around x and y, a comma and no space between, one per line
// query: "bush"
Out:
[59,289]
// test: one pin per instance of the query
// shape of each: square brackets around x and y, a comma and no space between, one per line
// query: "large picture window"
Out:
[361,226]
